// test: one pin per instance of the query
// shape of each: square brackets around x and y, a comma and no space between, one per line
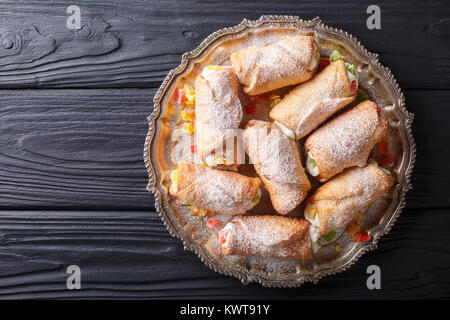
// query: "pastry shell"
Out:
[382,88]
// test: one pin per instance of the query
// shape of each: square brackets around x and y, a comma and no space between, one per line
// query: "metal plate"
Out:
[160,153]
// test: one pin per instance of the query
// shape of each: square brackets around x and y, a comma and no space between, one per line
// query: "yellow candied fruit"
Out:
[310,212]
[274,99]
[190,104]
[189,93]
[188,127]
[187,115]
[204,164]
[353,229]
[214,67]
[200,212]
[274,96]
[337,248]
[174,177]
[358,216]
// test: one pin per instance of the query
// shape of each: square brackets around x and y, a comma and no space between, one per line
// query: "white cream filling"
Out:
[314,60]
[210,69]
[313,170]
[258,195]
[351,76]
[226,228]
[210,160]
[314,232]
[207,71]
[288,132]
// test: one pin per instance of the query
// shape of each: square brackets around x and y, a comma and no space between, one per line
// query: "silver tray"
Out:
[375,79]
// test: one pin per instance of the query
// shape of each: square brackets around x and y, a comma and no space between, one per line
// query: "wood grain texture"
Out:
[72,179]
[130,254]
[74,148]
[123,44]
[82,149]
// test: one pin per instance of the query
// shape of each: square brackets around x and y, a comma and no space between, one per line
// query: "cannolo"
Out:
[309,104]
[267,236]
[291,60]
[214,190]
[345,141]
[277,161]
[334,205]
[218,114]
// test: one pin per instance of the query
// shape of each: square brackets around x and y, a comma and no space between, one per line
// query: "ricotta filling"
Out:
[314,233]
[288,132]
[210,69]
[318,240]
[351,76]
[315,59]
[311,165]
[226,232]
[210,160]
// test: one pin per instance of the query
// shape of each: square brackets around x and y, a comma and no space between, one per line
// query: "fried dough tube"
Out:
[267,236]
[215,190]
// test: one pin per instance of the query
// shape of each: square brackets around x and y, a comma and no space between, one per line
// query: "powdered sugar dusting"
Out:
[277,162]
[338,200]
[346,141]
[268,236]
[216,190]
[217,109]
[276,65]
[309,104]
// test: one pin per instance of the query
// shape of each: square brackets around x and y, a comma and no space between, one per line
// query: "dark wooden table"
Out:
[72,125]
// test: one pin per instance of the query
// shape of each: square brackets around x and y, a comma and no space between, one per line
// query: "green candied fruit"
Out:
[257,197]
[330,236]
[335,55]
[351,68]
[327,238]
[317,55]
[361,96]
[312,162]
[183,203]
[386,171]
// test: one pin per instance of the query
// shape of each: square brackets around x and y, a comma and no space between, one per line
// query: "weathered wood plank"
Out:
[71,149]
[83,149]
[123,45]
[130,254]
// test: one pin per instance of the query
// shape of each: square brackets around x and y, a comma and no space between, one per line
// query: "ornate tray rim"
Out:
[405,184]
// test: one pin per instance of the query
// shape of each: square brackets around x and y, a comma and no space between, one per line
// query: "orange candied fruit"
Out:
[353,229]
[362,236]
[179,97]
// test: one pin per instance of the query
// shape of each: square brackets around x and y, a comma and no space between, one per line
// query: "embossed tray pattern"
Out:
[381,86]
